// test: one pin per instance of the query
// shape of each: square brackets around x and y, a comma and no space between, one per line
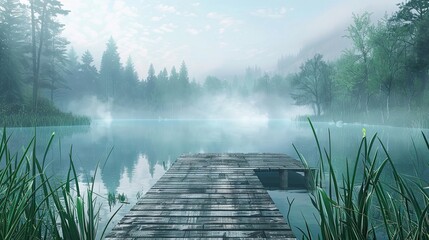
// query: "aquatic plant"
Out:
[34,206]
[359,204]
[111,200]
[46,115]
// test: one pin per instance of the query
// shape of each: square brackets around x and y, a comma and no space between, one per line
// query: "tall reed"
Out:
[34,206]
[371,200]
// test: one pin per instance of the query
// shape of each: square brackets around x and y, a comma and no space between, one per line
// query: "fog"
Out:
[213,107]
[246,60]
[220,41]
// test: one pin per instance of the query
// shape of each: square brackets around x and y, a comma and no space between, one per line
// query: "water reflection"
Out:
[142,149]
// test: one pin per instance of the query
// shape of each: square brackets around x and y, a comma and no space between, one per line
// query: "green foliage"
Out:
[112,199]
[12,35]
[370,199]
[385,70]
[213,84]
[313,84]
[35,206]
[110,71]
[21,115]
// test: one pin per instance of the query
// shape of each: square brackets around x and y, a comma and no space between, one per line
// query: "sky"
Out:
[212,36]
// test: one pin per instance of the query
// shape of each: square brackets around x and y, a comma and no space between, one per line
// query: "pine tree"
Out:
[12,45]
[110,71]
[183,87]
[151,85]
[45,29]
[88,73]
[131,80]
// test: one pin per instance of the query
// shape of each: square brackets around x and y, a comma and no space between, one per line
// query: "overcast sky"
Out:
[209,35]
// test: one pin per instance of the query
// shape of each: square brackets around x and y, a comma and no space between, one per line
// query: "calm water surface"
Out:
[142,150]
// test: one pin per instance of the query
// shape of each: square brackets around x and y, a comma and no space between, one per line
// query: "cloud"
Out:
[223,20]
[121,9]
[193,31]
[196,4]
[189,14]
[272,13]
[214,15]
[254,52]
[157,18]
[165,28]
[166,8]
[223,44]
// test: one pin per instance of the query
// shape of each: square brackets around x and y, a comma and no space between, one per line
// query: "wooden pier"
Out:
[217,196]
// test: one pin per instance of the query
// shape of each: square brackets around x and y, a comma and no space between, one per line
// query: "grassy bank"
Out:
[34,205]
[397,118]
[371,199]
[21,115]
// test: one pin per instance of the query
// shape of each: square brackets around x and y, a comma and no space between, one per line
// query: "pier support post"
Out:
[309,175]
[284,179]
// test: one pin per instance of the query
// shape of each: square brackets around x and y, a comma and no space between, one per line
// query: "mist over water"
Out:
[210,107]
[144,149]
[148,81]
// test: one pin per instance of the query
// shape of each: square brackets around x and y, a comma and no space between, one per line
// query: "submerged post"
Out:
[284,179]
[309,175]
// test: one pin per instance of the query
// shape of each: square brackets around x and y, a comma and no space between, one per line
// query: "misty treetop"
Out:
[387,67]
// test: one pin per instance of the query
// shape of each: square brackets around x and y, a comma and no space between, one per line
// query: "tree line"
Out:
[386,67]
[162,91]
[121,84]
[38,68]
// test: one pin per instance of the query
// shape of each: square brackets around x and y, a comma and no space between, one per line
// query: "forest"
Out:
[380,78]
[383,74]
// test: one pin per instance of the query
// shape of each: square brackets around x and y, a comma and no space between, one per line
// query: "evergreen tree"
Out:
[131,80]
[171,91]
[44,26]
[151,85]
[110,71]
[213,84]
[88,73]
[161,89]
[183,83]
[12,45]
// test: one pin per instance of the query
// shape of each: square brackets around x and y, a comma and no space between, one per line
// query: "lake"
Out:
[142,150]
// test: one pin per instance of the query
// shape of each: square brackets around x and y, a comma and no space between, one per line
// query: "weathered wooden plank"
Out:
[202,207]
[204,201]
[208,213]
[207,186]
[208,195]
[206,227]
[205,190]
[214,196]
[202,220]
[205,234]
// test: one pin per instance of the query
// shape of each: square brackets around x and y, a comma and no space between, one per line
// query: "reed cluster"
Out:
[372,199]
[34,205]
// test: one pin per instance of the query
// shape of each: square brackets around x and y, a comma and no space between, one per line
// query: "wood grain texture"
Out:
[216,196]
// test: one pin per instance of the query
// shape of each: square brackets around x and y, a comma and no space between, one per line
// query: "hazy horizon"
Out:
[213,38]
